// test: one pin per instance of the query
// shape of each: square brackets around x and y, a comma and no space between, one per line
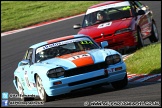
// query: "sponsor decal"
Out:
[55,44]
[111,70]
[59,43]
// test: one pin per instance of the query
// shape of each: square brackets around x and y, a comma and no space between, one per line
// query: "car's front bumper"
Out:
[84,80]
[125,40]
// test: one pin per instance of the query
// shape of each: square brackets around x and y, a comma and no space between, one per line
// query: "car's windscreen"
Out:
[107,13]
[64,47]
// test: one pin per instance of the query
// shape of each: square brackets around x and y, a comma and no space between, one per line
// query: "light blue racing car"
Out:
[61,65]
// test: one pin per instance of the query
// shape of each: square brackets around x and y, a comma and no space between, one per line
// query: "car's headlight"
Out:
[113,59]
[55,73]
[123,30]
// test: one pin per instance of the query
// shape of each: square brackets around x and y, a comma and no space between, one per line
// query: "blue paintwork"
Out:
[41,68]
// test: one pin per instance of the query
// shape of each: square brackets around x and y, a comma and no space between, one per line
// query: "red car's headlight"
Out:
[123,30]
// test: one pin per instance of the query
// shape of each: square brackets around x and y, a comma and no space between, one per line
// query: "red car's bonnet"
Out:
[106,27]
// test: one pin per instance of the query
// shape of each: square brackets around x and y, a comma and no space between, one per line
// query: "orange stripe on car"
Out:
[59,39]
[83,61]
[79,58]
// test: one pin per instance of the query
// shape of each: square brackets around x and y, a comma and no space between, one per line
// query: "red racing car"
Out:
[124,24]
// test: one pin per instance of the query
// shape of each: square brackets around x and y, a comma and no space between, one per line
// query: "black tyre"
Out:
[140,39]
[121,83]
[154,34]
[99,85]
[42,94]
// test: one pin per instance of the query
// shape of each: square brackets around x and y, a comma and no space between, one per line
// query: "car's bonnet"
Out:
[106,28]
[78,59]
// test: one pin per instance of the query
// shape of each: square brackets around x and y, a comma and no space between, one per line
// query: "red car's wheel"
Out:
[154,34]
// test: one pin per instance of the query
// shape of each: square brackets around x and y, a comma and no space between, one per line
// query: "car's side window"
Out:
[139,4]
[142,6]
[25,56]
[28,54]
[135,6]
[89,20]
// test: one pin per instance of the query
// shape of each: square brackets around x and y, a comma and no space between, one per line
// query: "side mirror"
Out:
[141,12]
[23,62]
[104,44]
[76,26]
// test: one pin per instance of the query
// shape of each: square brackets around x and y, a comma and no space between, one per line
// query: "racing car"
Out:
[68,63]
[124,24]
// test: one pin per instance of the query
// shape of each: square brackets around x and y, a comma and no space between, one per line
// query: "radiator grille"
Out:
[85,69]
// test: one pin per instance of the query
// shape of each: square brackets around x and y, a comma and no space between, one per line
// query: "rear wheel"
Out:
[42,94]
[154,34]
[121,83]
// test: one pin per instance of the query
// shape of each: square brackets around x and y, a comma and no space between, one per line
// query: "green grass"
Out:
[146,60]
[19,14]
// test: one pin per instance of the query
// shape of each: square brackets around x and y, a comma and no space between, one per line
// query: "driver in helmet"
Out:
[100,17]
[40,56]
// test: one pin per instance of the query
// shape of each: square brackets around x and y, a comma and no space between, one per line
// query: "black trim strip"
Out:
[88,80]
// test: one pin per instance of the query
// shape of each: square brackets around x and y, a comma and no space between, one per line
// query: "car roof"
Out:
[56,40]
[104,3]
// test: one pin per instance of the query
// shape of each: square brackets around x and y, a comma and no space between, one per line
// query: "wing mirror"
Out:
[141,12]
[23,62]
[76,26]
[104,44]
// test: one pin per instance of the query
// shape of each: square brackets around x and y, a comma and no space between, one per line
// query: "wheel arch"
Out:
[16,77]
[42,77]
[35,77]
[153,21]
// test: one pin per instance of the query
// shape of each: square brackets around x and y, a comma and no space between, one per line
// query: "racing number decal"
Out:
[105,25]
[126,8]
[81,60]
[86,42]
[78,56]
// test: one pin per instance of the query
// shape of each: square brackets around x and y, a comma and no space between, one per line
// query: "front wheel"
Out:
[121,83]
[154,33]
[42,94]
[21,91]
[140,39]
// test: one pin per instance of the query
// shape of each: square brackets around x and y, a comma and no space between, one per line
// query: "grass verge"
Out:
[19,14]
[146,60]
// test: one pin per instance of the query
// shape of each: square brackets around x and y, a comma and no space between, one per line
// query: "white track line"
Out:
[47,23]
